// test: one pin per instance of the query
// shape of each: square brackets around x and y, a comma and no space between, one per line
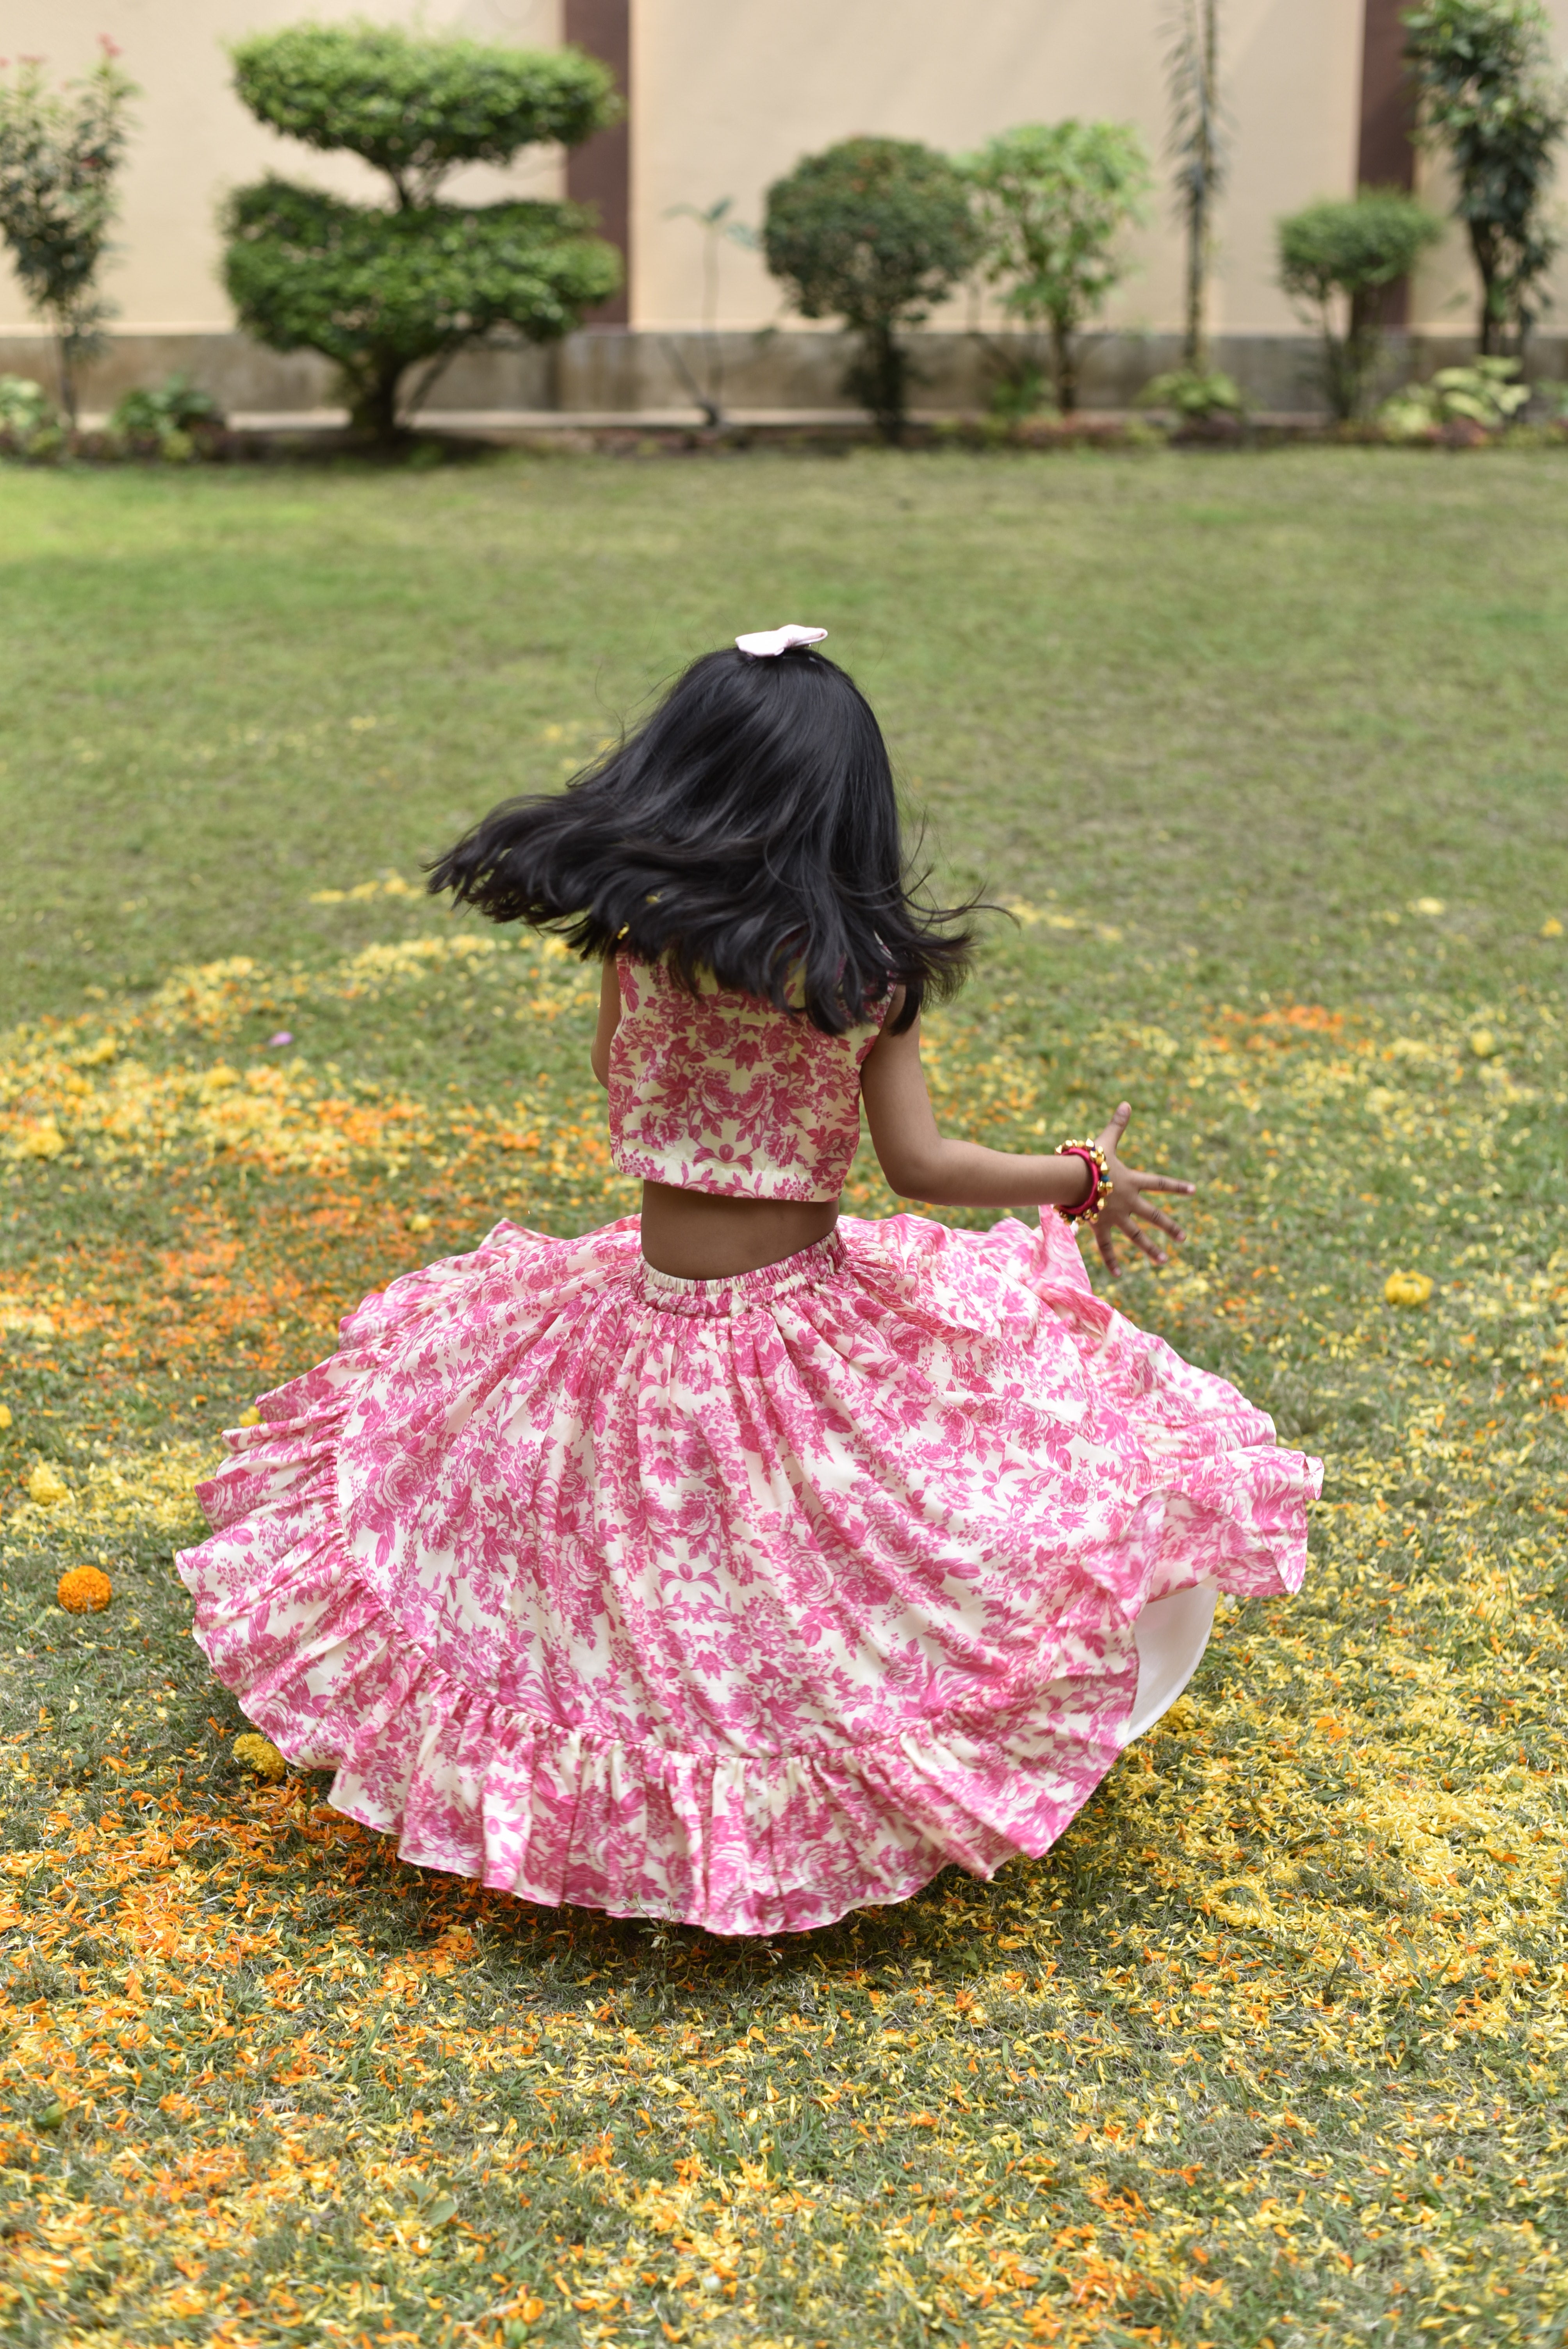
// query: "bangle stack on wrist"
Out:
[1100,1185]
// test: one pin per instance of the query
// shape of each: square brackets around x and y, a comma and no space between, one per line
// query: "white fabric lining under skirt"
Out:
[1171,1634]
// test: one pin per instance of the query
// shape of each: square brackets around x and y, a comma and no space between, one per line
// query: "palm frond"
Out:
[1197,143]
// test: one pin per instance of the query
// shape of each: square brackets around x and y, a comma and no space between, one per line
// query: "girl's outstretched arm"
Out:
[609,1020]
[919,1163]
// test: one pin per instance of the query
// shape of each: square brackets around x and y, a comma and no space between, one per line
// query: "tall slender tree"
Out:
[1197,150]
[1056,201]
[59,153]
[1493,101]
[718,229]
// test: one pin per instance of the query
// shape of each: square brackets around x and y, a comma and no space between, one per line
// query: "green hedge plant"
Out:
[1336,258]
[1056,202]
[30,423]
[172,419]
[1195,395]
[382,291]
[1480,400]
[874,232]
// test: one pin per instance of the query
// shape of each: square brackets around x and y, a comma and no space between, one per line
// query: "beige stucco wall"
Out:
[728,93]
[194,140]
[728,96]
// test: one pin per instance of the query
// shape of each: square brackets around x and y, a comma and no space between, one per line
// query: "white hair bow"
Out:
[768,641]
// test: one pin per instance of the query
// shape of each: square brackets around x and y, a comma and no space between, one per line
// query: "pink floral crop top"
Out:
[720,1092]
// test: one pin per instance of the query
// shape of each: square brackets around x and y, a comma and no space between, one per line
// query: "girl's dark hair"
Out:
[749,829]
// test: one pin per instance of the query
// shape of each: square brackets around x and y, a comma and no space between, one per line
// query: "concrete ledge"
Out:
[603,377]
[499,423]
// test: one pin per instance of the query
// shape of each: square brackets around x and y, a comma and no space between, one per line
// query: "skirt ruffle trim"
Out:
[740,1844]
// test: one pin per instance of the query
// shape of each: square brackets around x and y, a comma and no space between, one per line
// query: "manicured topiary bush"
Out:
[385,290]
[1335,259]
[874,232]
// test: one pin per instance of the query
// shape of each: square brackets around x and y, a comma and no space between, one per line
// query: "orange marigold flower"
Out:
[83,1591]
[260,1755]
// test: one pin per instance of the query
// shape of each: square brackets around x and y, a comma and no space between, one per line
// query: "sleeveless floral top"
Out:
[720,1092]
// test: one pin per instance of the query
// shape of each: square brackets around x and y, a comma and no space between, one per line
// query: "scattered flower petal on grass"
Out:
[1299,1959]
[1408,1288]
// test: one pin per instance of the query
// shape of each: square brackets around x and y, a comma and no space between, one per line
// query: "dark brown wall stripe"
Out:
[1386,153]
[599,173]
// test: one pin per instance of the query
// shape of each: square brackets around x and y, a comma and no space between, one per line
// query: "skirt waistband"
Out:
[672,1292]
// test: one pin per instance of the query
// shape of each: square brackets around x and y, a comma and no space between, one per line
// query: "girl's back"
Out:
[717,1092]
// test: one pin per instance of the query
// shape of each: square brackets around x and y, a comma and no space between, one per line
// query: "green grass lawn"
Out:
[1266,754]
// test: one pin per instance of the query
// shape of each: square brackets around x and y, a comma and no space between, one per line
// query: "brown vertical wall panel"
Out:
[599,173]
[1386,157]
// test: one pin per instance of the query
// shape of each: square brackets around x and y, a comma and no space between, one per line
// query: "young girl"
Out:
[743,1563]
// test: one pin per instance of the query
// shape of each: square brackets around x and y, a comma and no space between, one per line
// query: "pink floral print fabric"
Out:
[744,1602]
[720,1092]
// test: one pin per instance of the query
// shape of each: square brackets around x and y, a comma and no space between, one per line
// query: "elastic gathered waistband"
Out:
[672,1292]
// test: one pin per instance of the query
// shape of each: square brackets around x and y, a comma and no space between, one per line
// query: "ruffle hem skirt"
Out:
[739,1602]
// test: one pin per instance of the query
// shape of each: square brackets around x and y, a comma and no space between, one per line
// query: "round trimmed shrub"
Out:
[875,232]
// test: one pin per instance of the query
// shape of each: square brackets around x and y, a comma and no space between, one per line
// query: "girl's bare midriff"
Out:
[697,1236]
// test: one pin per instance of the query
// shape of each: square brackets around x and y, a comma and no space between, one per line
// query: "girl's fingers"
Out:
[1162,1183]
[1163,1224]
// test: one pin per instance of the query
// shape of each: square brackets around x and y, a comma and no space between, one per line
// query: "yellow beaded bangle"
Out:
[1100,1189]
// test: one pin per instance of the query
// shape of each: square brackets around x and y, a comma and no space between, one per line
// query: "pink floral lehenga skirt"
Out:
[744,1602]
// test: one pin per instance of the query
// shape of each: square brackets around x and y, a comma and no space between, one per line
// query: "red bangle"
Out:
[1100,1188]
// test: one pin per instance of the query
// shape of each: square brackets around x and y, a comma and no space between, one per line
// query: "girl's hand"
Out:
[1127,1200]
